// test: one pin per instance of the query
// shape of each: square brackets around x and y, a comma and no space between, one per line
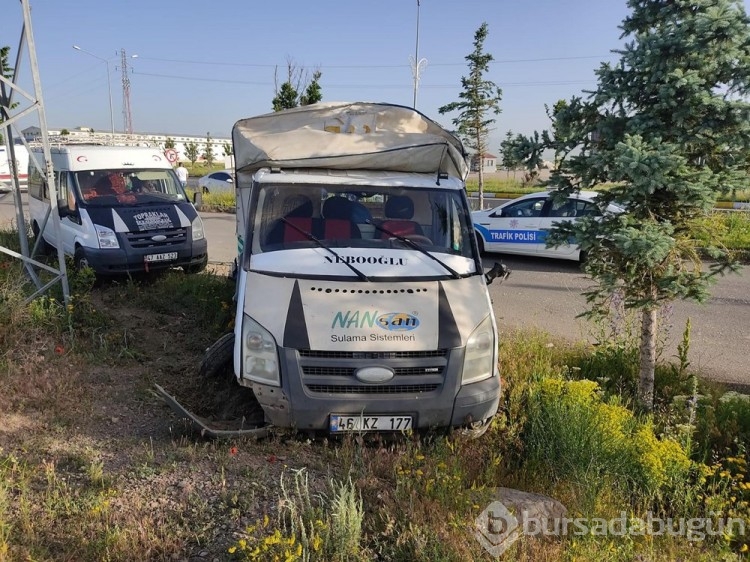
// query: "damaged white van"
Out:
[362,303]
[122,210]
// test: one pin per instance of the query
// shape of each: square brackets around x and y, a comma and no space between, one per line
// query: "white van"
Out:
[362,302]
[122,210]
[22,163]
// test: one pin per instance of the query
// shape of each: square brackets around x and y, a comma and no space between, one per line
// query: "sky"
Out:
[198,67]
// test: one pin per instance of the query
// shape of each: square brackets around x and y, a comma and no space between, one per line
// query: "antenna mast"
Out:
[126,115]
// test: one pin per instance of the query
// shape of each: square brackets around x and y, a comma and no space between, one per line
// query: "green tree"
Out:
[191,151]
[527,152]
[479,99]
[169,143]
[668,125]
[286,97]
[7,71]
[509,160]
[64,132]
[313,93]
[288,94]
[208,154]
[228,150]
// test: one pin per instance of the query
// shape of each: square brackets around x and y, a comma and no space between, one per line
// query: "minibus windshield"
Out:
[100,188]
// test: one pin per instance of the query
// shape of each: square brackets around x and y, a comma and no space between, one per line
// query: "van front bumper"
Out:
[300,403]
[130,260]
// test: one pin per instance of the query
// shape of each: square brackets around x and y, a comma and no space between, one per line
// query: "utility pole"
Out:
[126,114]
[417,64]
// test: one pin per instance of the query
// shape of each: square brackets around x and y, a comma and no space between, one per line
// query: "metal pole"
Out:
[109,87]
[416,60]
[417,64]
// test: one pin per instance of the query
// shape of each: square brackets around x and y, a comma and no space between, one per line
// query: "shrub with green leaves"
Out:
[574,434]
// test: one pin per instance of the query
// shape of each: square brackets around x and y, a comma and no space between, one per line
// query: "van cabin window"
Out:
[128,187]
[289,217]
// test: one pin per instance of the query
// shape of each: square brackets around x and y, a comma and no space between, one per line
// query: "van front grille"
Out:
[145,239]
[372,354]
[335,372]
[386,389]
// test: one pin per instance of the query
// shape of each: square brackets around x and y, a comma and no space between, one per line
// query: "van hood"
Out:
[360,316]
[143,218]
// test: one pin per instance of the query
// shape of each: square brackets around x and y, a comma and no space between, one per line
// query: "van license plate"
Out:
[339,422]
[162,257]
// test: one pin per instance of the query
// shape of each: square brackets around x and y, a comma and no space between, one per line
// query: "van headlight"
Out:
[107,237]
[197,229]
[260,361]
[480,353]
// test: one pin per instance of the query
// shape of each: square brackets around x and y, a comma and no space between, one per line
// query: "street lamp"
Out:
[109,86]
[417,64]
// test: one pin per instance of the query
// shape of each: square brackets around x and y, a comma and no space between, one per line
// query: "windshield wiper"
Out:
[417,247]
[320,243]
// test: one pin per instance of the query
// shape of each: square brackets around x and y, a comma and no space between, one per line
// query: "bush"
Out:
[573,434]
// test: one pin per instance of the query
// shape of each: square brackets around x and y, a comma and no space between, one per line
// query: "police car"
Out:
[520,226]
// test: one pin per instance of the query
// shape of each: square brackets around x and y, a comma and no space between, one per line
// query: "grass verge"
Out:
[94,467]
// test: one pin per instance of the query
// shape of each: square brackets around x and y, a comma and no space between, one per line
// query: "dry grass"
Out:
[94,467]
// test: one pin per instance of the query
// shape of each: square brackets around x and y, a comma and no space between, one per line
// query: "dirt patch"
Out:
[87,425]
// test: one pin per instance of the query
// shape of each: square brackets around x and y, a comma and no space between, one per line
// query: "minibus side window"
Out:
[64,194]
[36,183]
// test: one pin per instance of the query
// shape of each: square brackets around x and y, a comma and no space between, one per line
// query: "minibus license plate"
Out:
[162,257]
[340,422]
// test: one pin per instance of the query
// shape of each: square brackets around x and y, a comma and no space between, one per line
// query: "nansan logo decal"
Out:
[398,322]
[391,321]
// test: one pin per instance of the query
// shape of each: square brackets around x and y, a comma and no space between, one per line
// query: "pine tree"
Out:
[208,154]
[479,98]
[669,126]
[191,151]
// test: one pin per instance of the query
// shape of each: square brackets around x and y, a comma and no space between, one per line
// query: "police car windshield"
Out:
[100,188]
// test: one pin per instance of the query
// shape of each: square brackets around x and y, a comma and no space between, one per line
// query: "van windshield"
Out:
[290,217]
[101,188]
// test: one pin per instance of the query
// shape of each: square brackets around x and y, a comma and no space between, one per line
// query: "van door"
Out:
[71,226]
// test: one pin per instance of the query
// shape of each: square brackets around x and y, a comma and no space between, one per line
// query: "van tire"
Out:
[228,399]
[45,248]
[192,269]
[79,259]
[476,429]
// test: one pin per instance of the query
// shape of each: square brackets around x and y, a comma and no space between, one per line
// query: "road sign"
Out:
[171,155]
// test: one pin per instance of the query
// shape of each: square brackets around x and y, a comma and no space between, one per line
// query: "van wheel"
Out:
[44,247]
[79,259]
[191,269]
[475,430]
[225,398]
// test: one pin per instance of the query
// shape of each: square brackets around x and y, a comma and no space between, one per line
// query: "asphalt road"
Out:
[546,294]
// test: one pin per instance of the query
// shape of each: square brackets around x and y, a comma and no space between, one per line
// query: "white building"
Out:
[488,163]
[219,145]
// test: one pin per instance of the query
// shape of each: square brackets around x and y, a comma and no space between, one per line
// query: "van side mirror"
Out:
[498,270]
[65,211]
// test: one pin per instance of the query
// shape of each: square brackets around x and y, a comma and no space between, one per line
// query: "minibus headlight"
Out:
[260,361]
[480,353]
[197,229]
[107,237]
